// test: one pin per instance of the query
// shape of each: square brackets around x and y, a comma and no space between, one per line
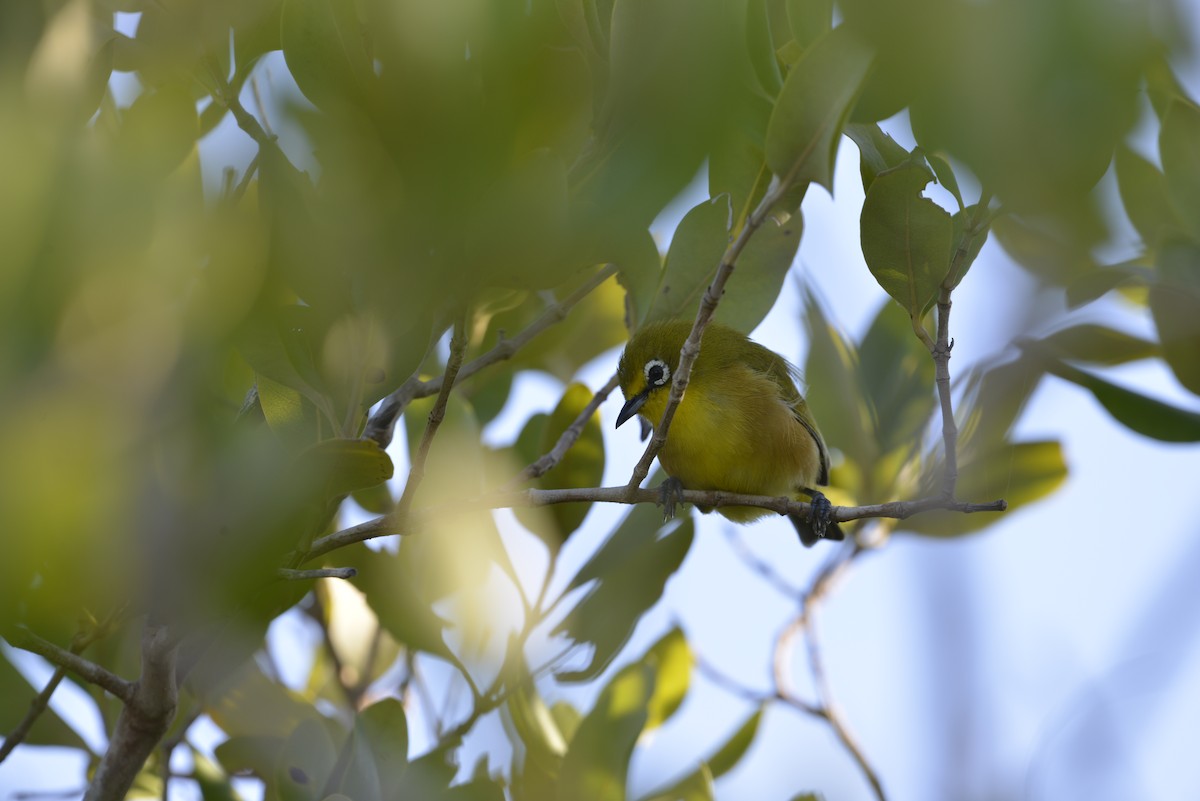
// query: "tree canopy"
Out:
[220,404]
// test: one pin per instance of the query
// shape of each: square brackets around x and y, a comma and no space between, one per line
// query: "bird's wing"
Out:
[787,378]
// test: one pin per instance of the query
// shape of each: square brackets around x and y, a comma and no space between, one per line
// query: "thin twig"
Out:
[383,422]
[318,573]
[387,525]
[83,668]
[941,360]
[730,684]
[458,348]
[762,568]
[568,438]
[708,306]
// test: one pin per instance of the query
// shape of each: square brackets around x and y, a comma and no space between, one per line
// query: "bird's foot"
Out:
[670,493]
[822,514]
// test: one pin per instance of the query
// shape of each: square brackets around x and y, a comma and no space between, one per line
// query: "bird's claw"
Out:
[670,493]
[822,514]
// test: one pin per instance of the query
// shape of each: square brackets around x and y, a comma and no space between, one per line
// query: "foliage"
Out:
[186,375]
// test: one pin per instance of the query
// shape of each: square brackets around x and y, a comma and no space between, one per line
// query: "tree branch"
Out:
[382,424]
[547,461]
[144,720]
[318,573]
[416,473]
[83,668]
[708,306]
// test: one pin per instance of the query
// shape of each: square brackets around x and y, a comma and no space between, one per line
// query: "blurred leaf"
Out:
[906,238]
[761,47]
[809,19]
[896,372]
[672,661]
[805,129]
[213,783]
[632,568]
[1020,473]
[345,465]
[878,151]
[16,695]
[253,754]
[323,43]
[581,466]
[737,166]
[696,786]
[735,747]
[1179,146]
[377,500]
[255,706]
[307,759]
[392,595]
[1046,250]
[1144,194]
[833,390]
[597,762]
[1146,416]
[355,775]
[384,728]
[545,743]
[1096,344]
[159,129]
[1175,303]
[1095,284]
[640,275]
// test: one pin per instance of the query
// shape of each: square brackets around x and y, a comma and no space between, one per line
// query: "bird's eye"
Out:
[657,373]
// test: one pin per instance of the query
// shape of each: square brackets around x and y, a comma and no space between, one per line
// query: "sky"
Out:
[1052,656]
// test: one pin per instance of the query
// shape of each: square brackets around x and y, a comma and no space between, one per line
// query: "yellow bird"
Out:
[742,426]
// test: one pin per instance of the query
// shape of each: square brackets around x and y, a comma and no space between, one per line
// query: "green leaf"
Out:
[581,466]
[971,242]
[945,175]
[391,593]
[213,782]
[641,273]
[383,726]
[1096,344]
[761,270]
[809,19]
[897,373]
[159,129]
[1179,148]
[1044,249]
[1020,473]
[631,570]
[1098,282]
[345,465]
[545,744]
[1146,416]
[672,661]
[803,134]
[324,45]
[1144,194]
[696,786]
[833,391]
[735,747]
[906,238]
[1175,303]
[695,254]
[254,706]
[877,151]
[597,762]
[250,754]
[307,759]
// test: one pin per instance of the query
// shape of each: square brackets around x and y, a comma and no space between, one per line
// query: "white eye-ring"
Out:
[657,373]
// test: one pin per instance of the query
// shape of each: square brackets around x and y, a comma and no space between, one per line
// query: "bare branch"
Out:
[145,719]
[547,462]
[383,422]
[383,526]
[83,668]
[318,573]
[458,347]
[708,306]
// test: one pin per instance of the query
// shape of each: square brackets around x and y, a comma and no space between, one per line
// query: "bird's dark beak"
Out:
[631,406]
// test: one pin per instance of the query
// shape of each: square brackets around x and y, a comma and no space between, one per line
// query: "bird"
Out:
[742,426]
